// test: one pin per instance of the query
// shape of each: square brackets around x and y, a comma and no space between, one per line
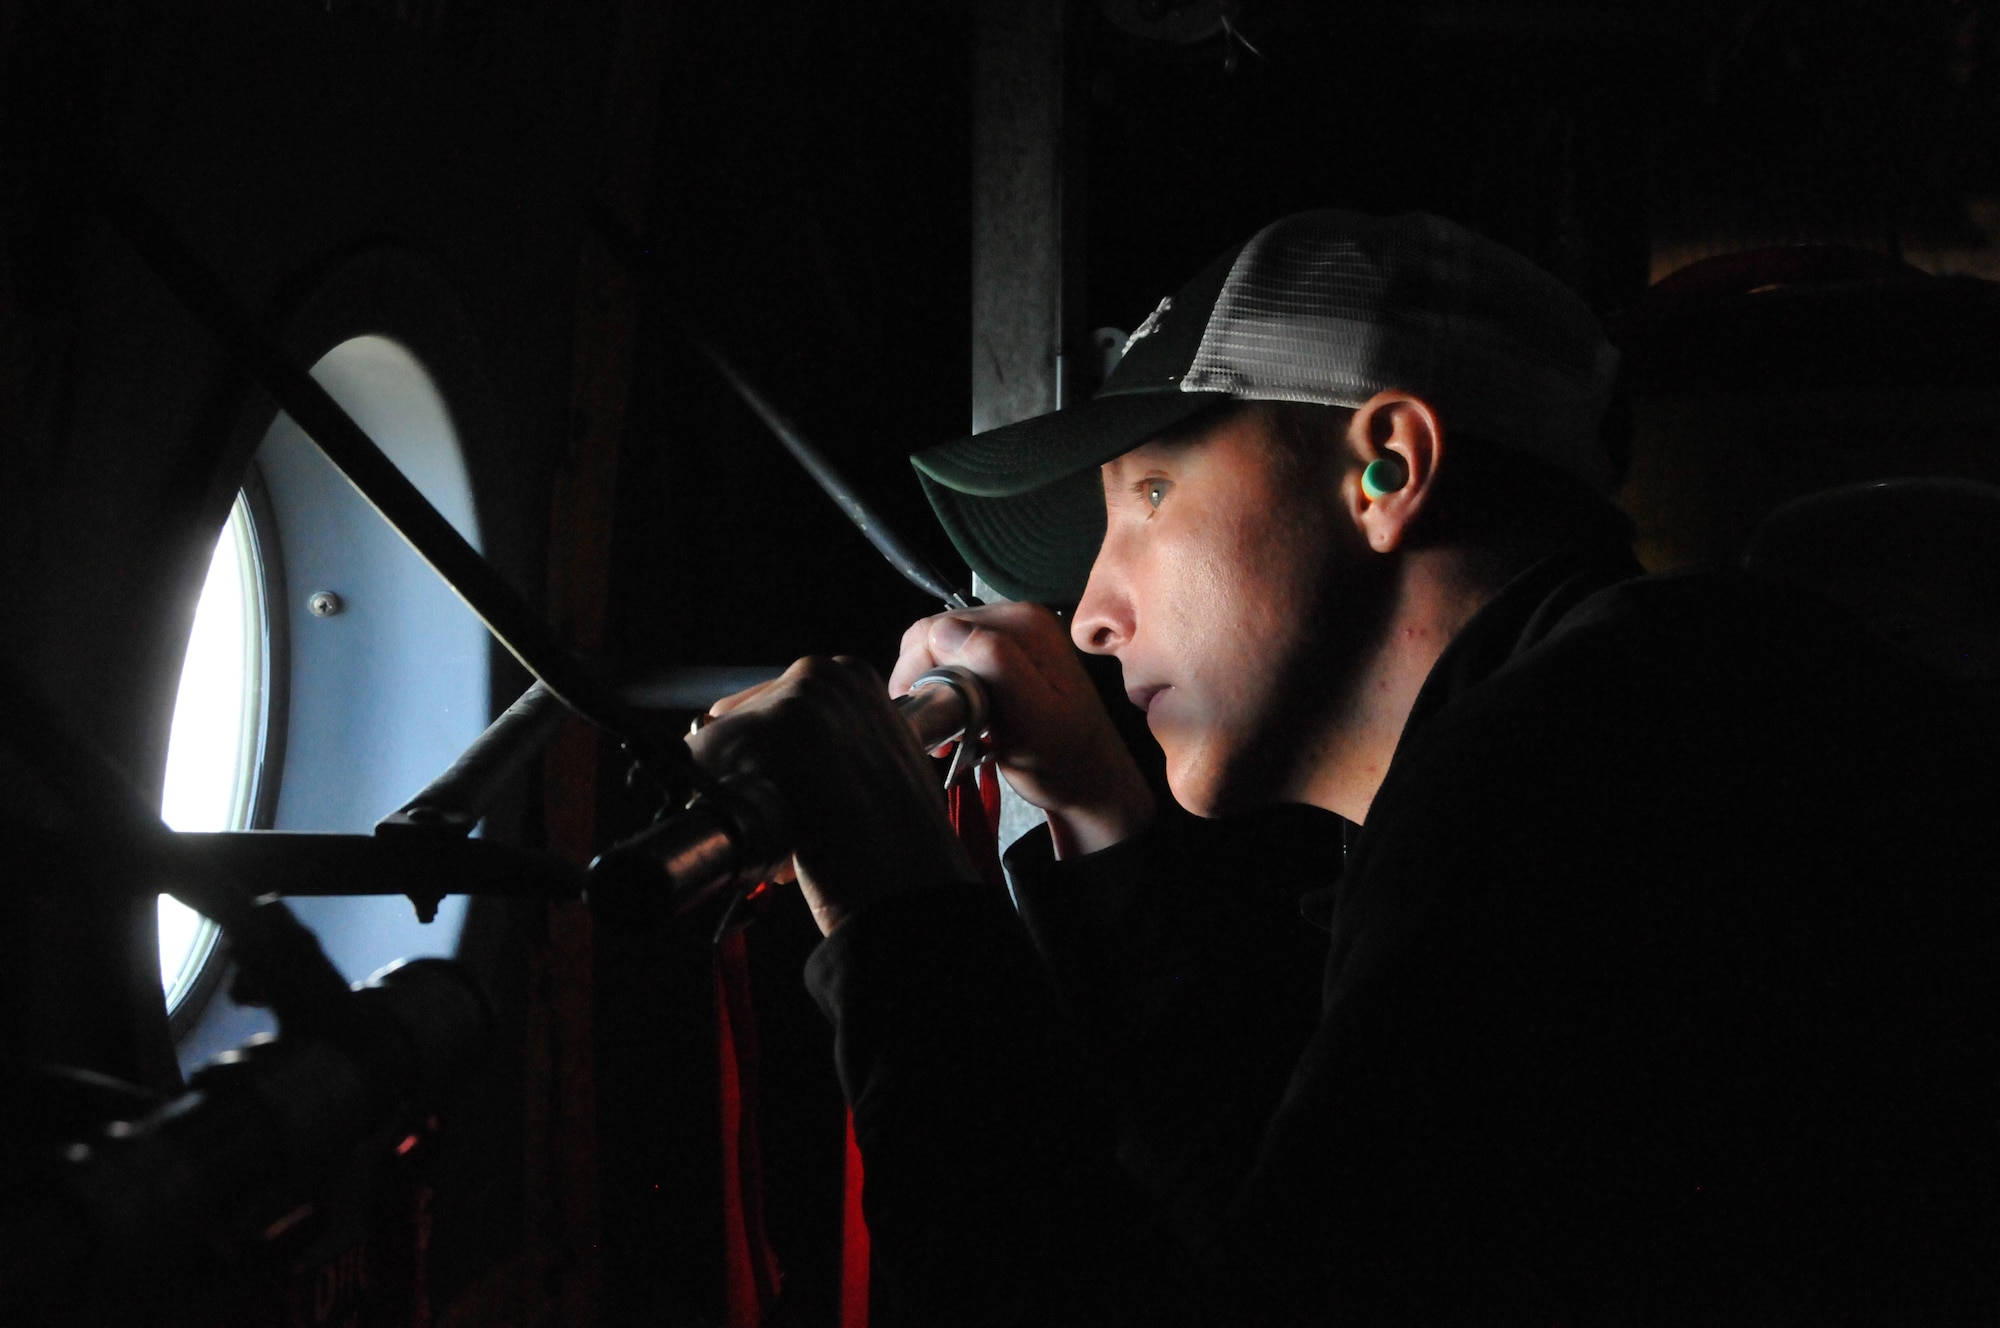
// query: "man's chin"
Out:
[1202,784]
[1215,779]
[1188,779]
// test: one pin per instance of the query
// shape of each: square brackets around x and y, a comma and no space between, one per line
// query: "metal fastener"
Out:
[324,604]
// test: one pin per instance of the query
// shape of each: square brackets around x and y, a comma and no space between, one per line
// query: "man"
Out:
[1658,985]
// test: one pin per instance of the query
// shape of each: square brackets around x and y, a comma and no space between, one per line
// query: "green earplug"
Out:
[1384,476]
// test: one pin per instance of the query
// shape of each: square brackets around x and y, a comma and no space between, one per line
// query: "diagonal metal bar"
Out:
[513,623]
[457,800]
[919,571]
[916,569]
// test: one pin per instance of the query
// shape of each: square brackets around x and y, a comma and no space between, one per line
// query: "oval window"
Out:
[214,751]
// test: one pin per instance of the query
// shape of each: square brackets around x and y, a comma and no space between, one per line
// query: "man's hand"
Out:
[1052,738]
[866,806]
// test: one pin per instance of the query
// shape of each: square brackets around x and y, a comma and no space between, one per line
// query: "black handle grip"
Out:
[737,834]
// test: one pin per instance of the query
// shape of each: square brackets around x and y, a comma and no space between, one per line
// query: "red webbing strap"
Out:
[750,1266]
[975,814]
[752,1274]
[853,1239]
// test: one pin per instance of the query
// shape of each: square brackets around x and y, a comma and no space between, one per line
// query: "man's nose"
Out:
[1104,618]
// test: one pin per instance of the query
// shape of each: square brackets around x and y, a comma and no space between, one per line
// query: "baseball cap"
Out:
[1328,307]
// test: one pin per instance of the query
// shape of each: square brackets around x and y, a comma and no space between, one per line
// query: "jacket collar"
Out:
[1519,616]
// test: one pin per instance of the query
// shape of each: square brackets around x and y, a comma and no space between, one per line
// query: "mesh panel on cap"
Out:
[1333,307]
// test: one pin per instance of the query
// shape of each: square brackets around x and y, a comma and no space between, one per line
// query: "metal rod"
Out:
[514,624]
[625,246]
[300,865]
[283,958]
[453,803]
[916,569]
[296,865]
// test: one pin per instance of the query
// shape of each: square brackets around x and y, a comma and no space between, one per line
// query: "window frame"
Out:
[396,294]
[272,712]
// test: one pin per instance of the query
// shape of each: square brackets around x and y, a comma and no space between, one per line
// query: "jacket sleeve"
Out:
[991,1194]
[1193,982]
[1056,1114]
[1054,1133]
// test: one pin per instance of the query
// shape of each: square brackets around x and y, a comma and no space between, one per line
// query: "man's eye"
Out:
[1155,491]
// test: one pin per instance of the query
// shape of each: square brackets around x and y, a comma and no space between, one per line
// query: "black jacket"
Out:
[1659,989]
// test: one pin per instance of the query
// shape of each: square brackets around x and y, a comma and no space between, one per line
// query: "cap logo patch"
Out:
[1152,323]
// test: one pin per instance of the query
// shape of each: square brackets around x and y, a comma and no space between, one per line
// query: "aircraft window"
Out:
[386,672]
[214,753]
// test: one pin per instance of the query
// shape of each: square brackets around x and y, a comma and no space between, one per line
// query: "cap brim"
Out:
[1023,503]
[1044,448]
[1036,546]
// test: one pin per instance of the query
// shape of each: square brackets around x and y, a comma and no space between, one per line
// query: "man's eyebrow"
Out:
[1196,428]
[1166,446]
[1125,464]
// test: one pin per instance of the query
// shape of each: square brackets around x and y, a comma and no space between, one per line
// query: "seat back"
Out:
[1917,560]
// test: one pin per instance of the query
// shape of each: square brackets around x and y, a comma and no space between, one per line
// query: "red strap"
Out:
[751,1269]
[975,814]
[751,1266]
[853,1240]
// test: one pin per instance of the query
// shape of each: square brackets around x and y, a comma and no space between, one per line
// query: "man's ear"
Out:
[1396,444]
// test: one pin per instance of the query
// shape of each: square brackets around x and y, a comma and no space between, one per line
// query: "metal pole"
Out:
[1027,252]
[916,569]
[453,803]
[1026,211]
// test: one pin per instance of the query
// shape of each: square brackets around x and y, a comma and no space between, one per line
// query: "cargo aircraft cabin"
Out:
[1020,662]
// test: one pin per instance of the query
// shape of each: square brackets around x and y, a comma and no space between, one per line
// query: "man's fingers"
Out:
[805,668]
[857,668]
[909,667]
[915,658]
[865,812]
[935,641]
[837,696]
[737,699]
[982,649]
[748,711]
[942,638]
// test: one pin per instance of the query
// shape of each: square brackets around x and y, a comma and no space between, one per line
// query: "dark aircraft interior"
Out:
[370,367]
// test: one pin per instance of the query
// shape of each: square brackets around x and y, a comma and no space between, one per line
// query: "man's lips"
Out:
[1143,696]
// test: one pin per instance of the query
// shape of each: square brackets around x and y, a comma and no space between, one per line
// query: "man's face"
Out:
[1232,592]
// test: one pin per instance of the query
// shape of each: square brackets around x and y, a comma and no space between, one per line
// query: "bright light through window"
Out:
[212,753]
